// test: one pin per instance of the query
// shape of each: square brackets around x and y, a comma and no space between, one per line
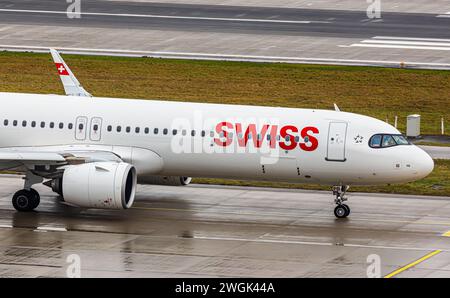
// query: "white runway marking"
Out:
[400,47]
[410,38]
[52,229]
[404,42]
[390,42]
[276,241]
[163,16]
[445,15]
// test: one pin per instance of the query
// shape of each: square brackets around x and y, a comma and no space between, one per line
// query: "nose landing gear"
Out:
[342,210]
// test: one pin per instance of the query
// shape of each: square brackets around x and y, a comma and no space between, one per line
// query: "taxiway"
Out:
[218,231]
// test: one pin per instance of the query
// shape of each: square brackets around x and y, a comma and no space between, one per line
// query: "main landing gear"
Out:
[27,199]
[342,210]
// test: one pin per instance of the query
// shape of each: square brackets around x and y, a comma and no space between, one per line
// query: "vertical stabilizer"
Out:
[71,85]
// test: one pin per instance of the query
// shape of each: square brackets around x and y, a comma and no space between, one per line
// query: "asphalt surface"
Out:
[226,32]
[227,19]
[216,231]
[420,6]
[437,152]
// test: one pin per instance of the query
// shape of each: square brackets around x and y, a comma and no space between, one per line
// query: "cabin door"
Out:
[337,133]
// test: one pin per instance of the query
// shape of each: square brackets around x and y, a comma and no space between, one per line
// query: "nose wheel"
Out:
[26,200]
[342,210]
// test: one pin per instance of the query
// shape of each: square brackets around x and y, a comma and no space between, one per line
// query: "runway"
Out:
[218,231]
[221,31]
[228,19]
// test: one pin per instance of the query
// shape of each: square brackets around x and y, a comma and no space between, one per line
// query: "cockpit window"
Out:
[375,141]
[387,140]
[400,140]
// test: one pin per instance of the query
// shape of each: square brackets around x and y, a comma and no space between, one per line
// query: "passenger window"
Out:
[70,126]
[184,132]
[15,123]
[211,134]
[155,131]
[203,133]
[174,132]
[52,124]
[128,129]
[375,141]
[61,125]
[42,124]
[165,131]
[95,127]
[193,133]
[268,137]
[5,122]
[80,126]
[109,128]
[146,130]
[33,123]
[119,128]
[137,129]
[24,123]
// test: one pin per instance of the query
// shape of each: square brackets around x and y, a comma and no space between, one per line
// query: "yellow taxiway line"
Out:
[410,265]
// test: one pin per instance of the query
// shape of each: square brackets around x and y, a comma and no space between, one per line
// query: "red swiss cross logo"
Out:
[61,69]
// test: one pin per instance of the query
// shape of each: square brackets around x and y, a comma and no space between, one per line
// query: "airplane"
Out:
[93,151]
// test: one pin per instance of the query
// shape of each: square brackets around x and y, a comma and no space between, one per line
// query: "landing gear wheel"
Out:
[26,200]
[347,208]
[36,198]
[341,211]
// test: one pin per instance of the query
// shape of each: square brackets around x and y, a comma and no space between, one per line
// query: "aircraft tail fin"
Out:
[336,108]
[71,85]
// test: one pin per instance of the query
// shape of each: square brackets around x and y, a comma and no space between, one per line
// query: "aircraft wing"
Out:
[71,85]
[33,157]
[22,159]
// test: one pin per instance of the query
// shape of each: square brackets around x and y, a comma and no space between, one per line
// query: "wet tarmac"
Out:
[219,231]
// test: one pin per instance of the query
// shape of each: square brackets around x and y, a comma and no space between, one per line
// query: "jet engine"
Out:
[165,180]
[103,185]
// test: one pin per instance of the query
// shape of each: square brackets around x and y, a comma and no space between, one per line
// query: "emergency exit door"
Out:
[337,132]
[81,128]
[96,129]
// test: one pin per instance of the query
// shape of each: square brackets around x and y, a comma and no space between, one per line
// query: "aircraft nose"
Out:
[424,163]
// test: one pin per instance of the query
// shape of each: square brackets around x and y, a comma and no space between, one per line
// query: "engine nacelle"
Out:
[104,185]
[165,180]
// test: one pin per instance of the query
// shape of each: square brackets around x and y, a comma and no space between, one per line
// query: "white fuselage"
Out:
[326,147]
